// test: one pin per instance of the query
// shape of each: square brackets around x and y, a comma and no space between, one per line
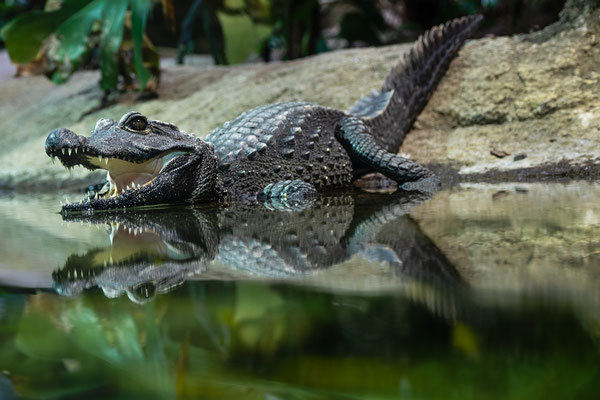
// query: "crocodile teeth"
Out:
[106,161]
[63,151]
[69,151]
[75,150]
[100,158]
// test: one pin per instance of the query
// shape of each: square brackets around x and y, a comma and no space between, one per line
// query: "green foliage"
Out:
[75,27]
[8,11]
[231,340]
[139,15]
[73,38]
[110,40]
[23,35]
[242,36]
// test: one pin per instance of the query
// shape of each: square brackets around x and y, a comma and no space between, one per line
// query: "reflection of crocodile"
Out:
[153,251]
[149,253]
[282,151]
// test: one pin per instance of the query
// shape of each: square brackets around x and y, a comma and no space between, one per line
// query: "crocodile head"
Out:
[147,163]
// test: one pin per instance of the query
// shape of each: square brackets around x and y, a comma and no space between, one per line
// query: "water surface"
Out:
[483,291]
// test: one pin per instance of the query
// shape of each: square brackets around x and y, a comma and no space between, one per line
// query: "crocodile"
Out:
[282,153]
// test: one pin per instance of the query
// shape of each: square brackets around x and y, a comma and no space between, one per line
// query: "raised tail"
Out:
[391,112]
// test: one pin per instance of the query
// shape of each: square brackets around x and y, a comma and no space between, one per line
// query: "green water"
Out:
[483,291]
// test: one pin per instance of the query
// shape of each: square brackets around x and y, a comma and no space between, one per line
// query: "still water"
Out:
[482,291]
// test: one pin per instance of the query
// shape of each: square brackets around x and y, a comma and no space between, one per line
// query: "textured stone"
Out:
[537,94]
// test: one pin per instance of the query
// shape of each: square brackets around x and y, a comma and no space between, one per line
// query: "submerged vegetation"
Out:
[219,340]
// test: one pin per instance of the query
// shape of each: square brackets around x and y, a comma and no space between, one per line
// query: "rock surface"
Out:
[535,98]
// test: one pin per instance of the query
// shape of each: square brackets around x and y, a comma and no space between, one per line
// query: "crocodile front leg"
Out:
[358,141]
[289,195]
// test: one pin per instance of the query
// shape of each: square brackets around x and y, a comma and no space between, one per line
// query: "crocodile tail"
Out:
[391,111]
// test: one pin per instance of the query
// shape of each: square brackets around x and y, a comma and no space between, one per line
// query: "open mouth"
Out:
[125,178]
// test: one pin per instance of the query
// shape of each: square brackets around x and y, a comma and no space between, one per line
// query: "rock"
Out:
[498,153]
[537,94]
[520,157]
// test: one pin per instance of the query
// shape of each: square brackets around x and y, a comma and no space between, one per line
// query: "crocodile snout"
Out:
[61,138]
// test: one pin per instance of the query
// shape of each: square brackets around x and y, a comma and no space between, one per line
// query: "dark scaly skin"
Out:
[281,142]
[283,153]
[391,111]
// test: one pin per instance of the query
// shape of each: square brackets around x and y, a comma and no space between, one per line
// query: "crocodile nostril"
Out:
[52,141]
[61,138]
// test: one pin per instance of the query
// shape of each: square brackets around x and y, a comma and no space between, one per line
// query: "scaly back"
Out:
[391,112]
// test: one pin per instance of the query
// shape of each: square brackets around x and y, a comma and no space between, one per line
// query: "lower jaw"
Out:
[92,204]
[125,182]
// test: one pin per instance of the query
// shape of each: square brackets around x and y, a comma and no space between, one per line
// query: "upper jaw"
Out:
[70,149]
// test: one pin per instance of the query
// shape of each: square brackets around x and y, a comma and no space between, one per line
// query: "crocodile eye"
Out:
[138,124]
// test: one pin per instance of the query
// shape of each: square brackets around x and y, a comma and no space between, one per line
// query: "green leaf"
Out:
[73,35]
[139,14]
[53,346]
[241,36]
[24,35]
[89,335]
[113,19]
[234,4]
